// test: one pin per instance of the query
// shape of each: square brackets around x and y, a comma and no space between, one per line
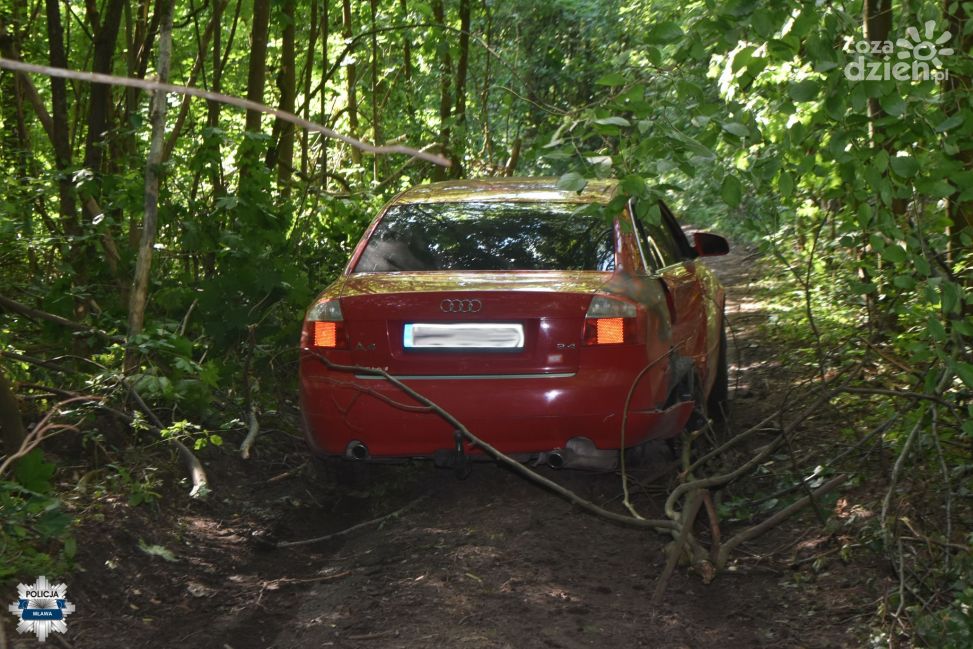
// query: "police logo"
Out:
[42,608]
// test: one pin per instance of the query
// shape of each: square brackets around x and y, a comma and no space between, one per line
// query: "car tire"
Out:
[717,406]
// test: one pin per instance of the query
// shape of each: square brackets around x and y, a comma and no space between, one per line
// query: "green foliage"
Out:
[952,625]
[35,531]
[140,488]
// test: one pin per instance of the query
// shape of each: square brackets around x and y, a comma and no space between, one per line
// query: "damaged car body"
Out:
[551,331]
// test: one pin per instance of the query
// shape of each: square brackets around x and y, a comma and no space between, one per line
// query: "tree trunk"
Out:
[219,64]
[485,91]
[445,75]
[877,25]
[211,27]
[351,73]
[308,70]
[60,133]
[406,47]
[464,61]
[99,102]
[376,123]
[258,61]
[288,89]
[14,137]
[325,34]
[11,423]
[461,70]
[157,116]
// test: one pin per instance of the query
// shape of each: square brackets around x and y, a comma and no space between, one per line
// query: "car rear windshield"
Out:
[489,236]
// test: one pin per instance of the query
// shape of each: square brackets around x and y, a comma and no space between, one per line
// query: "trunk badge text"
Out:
[365,348]
[460,306]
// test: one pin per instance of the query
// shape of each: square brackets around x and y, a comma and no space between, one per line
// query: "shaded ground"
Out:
[491,561]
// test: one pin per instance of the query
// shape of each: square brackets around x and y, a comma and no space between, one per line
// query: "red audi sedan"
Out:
[544,320]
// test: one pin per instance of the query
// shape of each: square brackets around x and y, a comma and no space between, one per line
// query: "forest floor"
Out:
[490,561]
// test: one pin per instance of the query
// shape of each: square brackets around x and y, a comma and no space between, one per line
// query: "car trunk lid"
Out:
[468,323]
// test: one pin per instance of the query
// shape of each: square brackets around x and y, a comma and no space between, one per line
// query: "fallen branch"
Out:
[675,550]
[353,528]
[142,84]
[43,430]
[758,458]
[284,581]
[253,390]
[252,433]
[756,530]
[25,310]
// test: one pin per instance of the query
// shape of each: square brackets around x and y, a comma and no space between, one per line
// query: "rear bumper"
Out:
[517,414]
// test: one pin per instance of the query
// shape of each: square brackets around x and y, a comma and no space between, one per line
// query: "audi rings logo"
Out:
[460,306]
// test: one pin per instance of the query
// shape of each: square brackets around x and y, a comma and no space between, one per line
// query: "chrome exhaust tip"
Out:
[555,459]
[580,453]
[356,451]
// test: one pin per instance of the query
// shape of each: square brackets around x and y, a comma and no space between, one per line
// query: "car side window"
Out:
[658,244]
[681,243]
[663,242]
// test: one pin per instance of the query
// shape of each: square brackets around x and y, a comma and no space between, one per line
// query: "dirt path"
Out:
[487,562]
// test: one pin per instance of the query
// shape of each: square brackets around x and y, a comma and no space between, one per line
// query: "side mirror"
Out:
[710,245]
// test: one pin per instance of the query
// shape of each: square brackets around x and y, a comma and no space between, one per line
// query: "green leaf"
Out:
[157,551]
[742,57]
[33,472]
[936,188]
[881,160]
[53,523]
[731,191]
[936,328]
[632,185]
[689,89]
[612,79]
[613,121]
[664,32]
[785,184]
[803,90]
[572,182]
[736,128]
[760,21]
[893,105]
[70,547]
[894,253]
[649,212]
[905,166]
[904,282]
[965,372]
[950,123]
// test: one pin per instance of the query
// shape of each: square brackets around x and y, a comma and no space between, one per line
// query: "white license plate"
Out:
[463,335]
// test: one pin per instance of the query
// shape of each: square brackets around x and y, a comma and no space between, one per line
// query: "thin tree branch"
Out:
[94,77]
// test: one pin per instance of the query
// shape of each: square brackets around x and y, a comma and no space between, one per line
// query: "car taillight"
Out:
[324,326]
[610,321]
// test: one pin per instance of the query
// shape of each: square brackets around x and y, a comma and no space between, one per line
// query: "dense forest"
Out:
[158,249]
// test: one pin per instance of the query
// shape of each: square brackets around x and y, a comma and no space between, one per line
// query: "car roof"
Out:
[507,190]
